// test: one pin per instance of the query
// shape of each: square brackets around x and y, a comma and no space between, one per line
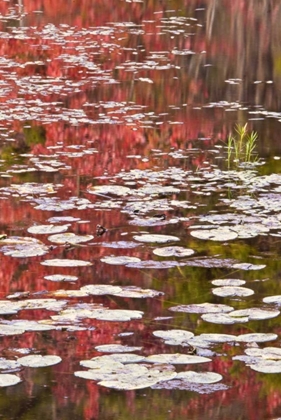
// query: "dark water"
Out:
[141,95]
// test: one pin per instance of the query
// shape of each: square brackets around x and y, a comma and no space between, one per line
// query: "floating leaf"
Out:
[273,299]
[116,348]
[101,289]
[199,377]
[228,282]
[161,239]
[219,234]
[137,292]
[256,337]
[61,277]
[174,337]
[248,267]
[66,263]
[232,291]
[254,313]
[173,251]
[176,358]
[222,318]
[23,247]
[118,315]
[218,338]
[267,366]
[110,189]
[122,260]
[36,360]
[47,229]
[202,308]
[7,379]
[70,238]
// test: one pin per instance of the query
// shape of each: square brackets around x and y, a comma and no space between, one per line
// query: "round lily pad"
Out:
[173,251]
[70,238]
[176,336]
[256,337]
[7,379]
[199,377]
[60,277]
[47,229]
[36,360]
[202,308]
[116,348]
[66,263]
[232,291]
[176,358]
[267,366]
[228,282]
[219,234]
[101,289]
[122,260]
[254,313]
[161,239]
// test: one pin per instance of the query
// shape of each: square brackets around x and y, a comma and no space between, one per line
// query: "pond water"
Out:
[134,247]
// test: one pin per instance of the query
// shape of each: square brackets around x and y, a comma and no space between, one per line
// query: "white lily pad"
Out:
[23,247]
[137,292]
[60,277]
[176,358]
[202,308]
[101,289]
[173,336]
[228,282]
[116,348]
[118,190]
[70,238]
[219,234]
[268,353]
[273,299]
[70,293]
[222,319]
[10,330]
[118,315]
[8,365]
[199,377]
[256,337]
[218,338]
[37,360]
[121,260]
[232,291]
[6,379]
[267,366]
[173,251]
[66,263]
[154,238]
[248,266]
[47,229]
[29,325]
[254,313]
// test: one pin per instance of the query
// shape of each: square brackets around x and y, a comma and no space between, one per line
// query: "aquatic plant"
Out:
[241,146]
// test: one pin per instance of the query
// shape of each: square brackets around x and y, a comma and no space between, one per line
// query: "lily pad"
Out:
[199,377]
[173,251]
[137,292]
[228,282]
[122,260]
[202,308]
[101,289]
[7,379]
[267,366]
[23,247]
[116,348]
[154,238]
[176,358]
[118,190]
[66,263]
[70,238]
[36,360]
[254,313]
[232,291]
[218,338]
[60,277]
[219,234]
[47,229]
[173,336]
[273,299]
[256,337]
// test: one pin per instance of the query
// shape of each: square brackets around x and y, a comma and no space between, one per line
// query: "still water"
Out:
[122,222]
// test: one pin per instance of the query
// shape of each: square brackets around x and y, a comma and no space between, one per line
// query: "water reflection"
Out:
[134,95]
